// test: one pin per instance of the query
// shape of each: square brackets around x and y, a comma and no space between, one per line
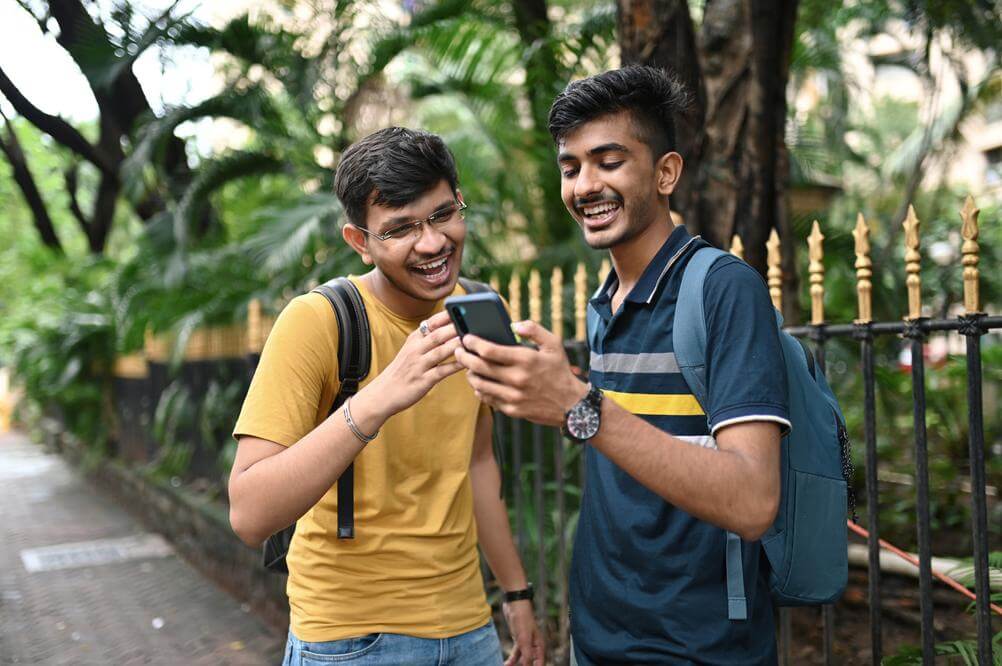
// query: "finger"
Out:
[501,354]
[438,320]
[494,391]
[477,365]
[443,352]
[526,655]
[440,372]
[538,647]
[514,656]
[533,332]
[438,335]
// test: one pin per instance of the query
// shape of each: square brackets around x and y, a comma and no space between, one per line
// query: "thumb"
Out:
[533,332]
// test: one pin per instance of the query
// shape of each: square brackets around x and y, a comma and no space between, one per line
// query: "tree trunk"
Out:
[732,140]
[543,81]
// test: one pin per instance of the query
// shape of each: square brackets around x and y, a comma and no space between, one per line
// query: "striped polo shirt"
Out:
[647,579]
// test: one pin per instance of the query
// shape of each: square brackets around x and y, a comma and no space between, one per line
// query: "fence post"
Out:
[775,272]
[864,333]
[914,332]
[973,330]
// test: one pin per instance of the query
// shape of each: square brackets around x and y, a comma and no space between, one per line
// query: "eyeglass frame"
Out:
[460,206]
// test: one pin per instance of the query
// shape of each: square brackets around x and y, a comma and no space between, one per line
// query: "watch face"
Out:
[583,421]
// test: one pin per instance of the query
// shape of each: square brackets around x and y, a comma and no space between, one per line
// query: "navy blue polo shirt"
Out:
[647,580]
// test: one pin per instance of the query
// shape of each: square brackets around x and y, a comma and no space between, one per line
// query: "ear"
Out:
[358,241]
[669,170]
[459,196]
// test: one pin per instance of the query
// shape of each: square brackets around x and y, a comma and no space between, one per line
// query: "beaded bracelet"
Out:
[365,439]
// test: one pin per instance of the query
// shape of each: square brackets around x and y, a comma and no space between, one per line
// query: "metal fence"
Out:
[544,476]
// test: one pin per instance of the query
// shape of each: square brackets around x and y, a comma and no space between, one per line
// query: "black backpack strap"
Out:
[474,287]
[354,357]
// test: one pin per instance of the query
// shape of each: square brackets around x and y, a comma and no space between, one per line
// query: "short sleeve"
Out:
[296,378]
[746,377]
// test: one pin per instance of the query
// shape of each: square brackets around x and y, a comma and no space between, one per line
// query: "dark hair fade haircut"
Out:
[391,167]
[653,96]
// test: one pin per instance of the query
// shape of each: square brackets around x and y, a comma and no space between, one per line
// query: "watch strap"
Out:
[518,595]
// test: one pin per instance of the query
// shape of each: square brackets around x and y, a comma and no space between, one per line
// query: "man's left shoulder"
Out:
[729,272]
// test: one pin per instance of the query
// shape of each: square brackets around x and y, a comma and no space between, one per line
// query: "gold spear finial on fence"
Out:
[580,301]
[816,268]
[737,247]
[972,297]
[557,302]
[603,270]
[775,272]
[864,271]
[515,295]
[913,264]
[535,296]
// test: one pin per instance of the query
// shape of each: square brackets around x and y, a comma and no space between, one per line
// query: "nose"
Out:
[587,183]
[431,240]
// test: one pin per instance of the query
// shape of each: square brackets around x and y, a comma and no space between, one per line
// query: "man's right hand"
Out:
[421,363]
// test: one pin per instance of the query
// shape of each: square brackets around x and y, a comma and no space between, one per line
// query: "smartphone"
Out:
[483,315]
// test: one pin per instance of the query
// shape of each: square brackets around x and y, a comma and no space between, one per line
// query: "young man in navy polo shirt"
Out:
[665,479]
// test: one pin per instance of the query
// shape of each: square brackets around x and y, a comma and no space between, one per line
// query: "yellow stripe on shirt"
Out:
[653,404]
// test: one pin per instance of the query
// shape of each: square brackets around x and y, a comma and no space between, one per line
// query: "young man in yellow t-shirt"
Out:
[407,589]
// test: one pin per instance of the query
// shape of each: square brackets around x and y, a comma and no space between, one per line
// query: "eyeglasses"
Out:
[411,231]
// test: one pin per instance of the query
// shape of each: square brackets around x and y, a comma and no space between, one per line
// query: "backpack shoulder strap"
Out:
[689,327]
[474,287]
[354,356]
[689,345]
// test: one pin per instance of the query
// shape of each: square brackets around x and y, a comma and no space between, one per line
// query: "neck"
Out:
[400,303]
[632,257]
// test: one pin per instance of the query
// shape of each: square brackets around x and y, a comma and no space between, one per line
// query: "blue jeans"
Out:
[479,647]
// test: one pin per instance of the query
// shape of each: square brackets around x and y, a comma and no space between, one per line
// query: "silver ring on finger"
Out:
[424,328]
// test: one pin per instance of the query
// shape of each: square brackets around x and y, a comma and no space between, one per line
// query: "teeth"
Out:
[599,209]
[434,264]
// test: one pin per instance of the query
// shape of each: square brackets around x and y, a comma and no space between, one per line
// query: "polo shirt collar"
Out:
[643,292]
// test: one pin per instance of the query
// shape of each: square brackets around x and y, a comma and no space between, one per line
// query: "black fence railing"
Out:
[544,487]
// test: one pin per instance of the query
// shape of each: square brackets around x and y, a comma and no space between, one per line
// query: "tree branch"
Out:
[11,147]
[70,175]
[54,126]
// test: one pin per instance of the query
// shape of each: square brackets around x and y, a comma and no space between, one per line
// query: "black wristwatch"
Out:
[518,595]
[581,422]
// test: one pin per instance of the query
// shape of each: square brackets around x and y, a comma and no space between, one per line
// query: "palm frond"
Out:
[211,175]
[288,231]
[253,107]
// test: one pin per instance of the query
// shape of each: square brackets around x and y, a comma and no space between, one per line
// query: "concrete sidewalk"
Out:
[82,582]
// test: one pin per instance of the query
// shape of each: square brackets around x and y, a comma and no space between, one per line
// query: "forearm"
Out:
[730,489]
[493,528]
[274,492]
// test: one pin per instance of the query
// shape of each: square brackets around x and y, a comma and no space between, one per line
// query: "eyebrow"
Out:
[611,147]
[401,219]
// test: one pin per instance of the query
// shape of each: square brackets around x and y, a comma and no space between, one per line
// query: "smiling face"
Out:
[612,186]
[413,274]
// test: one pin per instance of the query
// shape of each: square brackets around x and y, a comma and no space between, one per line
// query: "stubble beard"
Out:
[634,226]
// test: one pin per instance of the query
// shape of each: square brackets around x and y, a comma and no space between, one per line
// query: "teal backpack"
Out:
[807,544]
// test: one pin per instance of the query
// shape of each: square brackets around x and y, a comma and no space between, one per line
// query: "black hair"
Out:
[653,96]
[391,167]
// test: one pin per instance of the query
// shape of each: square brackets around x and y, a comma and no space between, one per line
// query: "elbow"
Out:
[760,516]
[244,528]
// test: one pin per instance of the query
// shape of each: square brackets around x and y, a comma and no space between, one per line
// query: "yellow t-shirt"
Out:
[413,566]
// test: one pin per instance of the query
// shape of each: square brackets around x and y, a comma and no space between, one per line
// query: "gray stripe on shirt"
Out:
[634,363]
